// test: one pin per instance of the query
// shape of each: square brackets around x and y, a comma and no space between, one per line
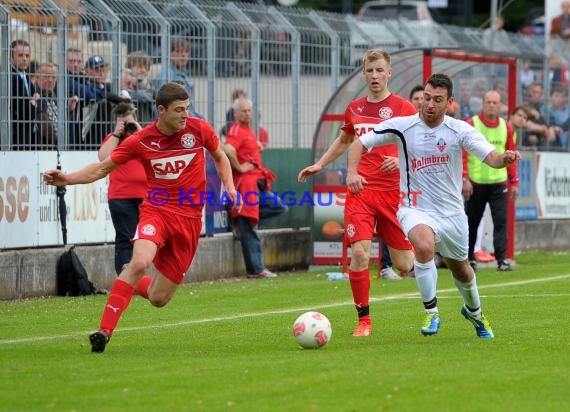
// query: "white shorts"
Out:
[451,232]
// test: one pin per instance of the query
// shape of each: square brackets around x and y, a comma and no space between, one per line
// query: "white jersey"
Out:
[431,160]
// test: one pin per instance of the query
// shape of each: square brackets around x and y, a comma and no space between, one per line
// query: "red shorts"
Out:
[371,209]
[176,237]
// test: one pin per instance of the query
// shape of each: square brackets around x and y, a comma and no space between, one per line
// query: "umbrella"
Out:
[60,192]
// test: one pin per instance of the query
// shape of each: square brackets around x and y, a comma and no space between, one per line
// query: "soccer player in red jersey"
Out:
[374,209]
[172,152]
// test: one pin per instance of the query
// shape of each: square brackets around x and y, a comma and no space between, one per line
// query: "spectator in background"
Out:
[45,102]
[483,184]
[560,25]
[464,99]
[500,86]
[236,94]
[535,96]
[558,71]
[127,185]
[478,90]
[74,60]
[143,99]
[127,83]
[417,96]
[263,135]
[535,132]
[22,90]
[75,85]
[559,116]
[139,86]
[250,177]
[98,102]
[527,75]
[179,72]
[518,120]
[538,134]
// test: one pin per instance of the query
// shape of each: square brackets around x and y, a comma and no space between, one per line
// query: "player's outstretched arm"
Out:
[501,160]
[354,181]
[88,174]
[224,169]
[337,148]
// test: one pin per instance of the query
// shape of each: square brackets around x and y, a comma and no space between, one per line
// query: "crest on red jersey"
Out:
[385,113]
[148,230]
[188,141]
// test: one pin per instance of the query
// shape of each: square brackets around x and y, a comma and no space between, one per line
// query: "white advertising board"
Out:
[553,185]
[29,214]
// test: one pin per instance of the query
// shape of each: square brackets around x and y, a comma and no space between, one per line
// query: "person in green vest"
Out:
[483,184]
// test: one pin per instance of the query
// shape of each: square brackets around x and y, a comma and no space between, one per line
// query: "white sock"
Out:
[426,278]
[470,294]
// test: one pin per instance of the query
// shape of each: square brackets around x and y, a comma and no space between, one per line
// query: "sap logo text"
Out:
[171,167]
[363,128]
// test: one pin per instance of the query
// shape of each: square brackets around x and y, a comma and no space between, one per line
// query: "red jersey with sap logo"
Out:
[175,165]
[359,118]
[127,181]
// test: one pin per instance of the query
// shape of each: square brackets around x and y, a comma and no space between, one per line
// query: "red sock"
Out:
[360,284]
[142,287]
[118,300]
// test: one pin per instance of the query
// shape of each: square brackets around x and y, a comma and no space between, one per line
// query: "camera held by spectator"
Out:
[125,129]
[130,128]
[126,123]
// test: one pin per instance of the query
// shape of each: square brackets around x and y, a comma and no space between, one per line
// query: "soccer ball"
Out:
[312,330]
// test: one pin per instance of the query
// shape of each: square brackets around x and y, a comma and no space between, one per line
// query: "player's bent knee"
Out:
[140,264]
[159,299]
[403,261]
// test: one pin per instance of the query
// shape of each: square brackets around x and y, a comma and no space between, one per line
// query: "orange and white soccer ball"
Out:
[312,330]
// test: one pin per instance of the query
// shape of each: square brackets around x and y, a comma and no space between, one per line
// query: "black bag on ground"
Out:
[71,276]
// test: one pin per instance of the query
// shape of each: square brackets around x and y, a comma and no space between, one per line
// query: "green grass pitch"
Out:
[228,346]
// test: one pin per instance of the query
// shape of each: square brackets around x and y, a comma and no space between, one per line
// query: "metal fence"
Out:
[289,60]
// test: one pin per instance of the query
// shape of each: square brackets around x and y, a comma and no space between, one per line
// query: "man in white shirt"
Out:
[432,214]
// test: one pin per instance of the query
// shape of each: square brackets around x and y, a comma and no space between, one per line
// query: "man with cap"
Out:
[96,101]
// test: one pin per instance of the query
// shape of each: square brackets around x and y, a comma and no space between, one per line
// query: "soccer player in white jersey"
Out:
[432,215]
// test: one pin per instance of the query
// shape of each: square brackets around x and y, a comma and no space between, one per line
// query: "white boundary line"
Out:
[279,312]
